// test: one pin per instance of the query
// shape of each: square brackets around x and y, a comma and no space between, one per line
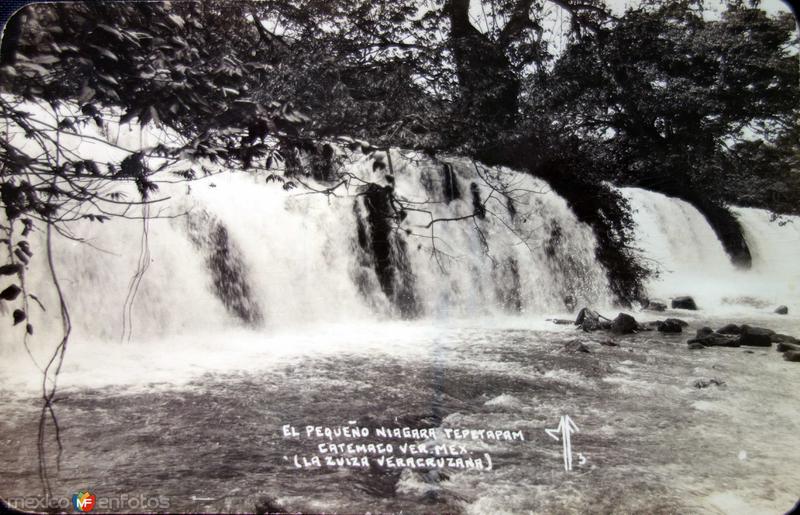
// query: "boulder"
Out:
[670,325]
[782,310]
[684,303]
[760,331]
[575,346]
[756,330]
[704,331]
[715,340]
[755,336]
[624,324]
[785,347]
[783,338]
[588,320]
[791,355]
[656,305]
[730,329]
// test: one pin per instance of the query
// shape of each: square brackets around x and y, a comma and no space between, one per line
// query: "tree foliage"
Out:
[677,102]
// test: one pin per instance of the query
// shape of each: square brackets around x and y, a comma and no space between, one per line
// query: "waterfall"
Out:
[237,250]
[409,237]
[691,260]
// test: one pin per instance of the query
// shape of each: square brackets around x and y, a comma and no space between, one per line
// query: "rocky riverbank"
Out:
[728,335]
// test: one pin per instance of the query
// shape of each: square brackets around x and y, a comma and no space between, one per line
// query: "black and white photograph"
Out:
[400,257]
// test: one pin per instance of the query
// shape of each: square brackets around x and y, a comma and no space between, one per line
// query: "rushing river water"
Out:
[210,438]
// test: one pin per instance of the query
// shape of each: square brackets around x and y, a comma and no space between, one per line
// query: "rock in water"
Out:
[786,347]
[696,346]
[730,329]
[703,331]
[783,338]
[755,336]
[609,343]
[756,330]
[714,340]
[624,324]
[656,305]
[782,310]
[670,325]
[575,346]
[684,303]
[792,355]
[588,319]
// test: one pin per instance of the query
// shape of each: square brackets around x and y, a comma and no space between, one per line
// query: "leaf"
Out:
[34,297]
[105,52]
[111,30]
[11,269]
[27,226]
[29,329]
[10,293]
[46,59]
[19,316]
[21,256]
[26,248]
[177,20]
[107,78]
[41,70]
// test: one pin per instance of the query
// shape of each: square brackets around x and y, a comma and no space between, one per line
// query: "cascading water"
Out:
[416,238]
[692,261]
[250,253]
[413,237]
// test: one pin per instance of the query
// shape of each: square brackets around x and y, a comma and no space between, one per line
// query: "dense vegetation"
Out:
[662,97]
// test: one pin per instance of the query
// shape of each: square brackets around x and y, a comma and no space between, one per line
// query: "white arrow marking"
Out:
[565,428]
[555,432]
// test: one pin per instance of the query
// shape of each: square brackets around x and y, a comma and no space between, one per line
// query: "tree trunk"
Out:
[489,87]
